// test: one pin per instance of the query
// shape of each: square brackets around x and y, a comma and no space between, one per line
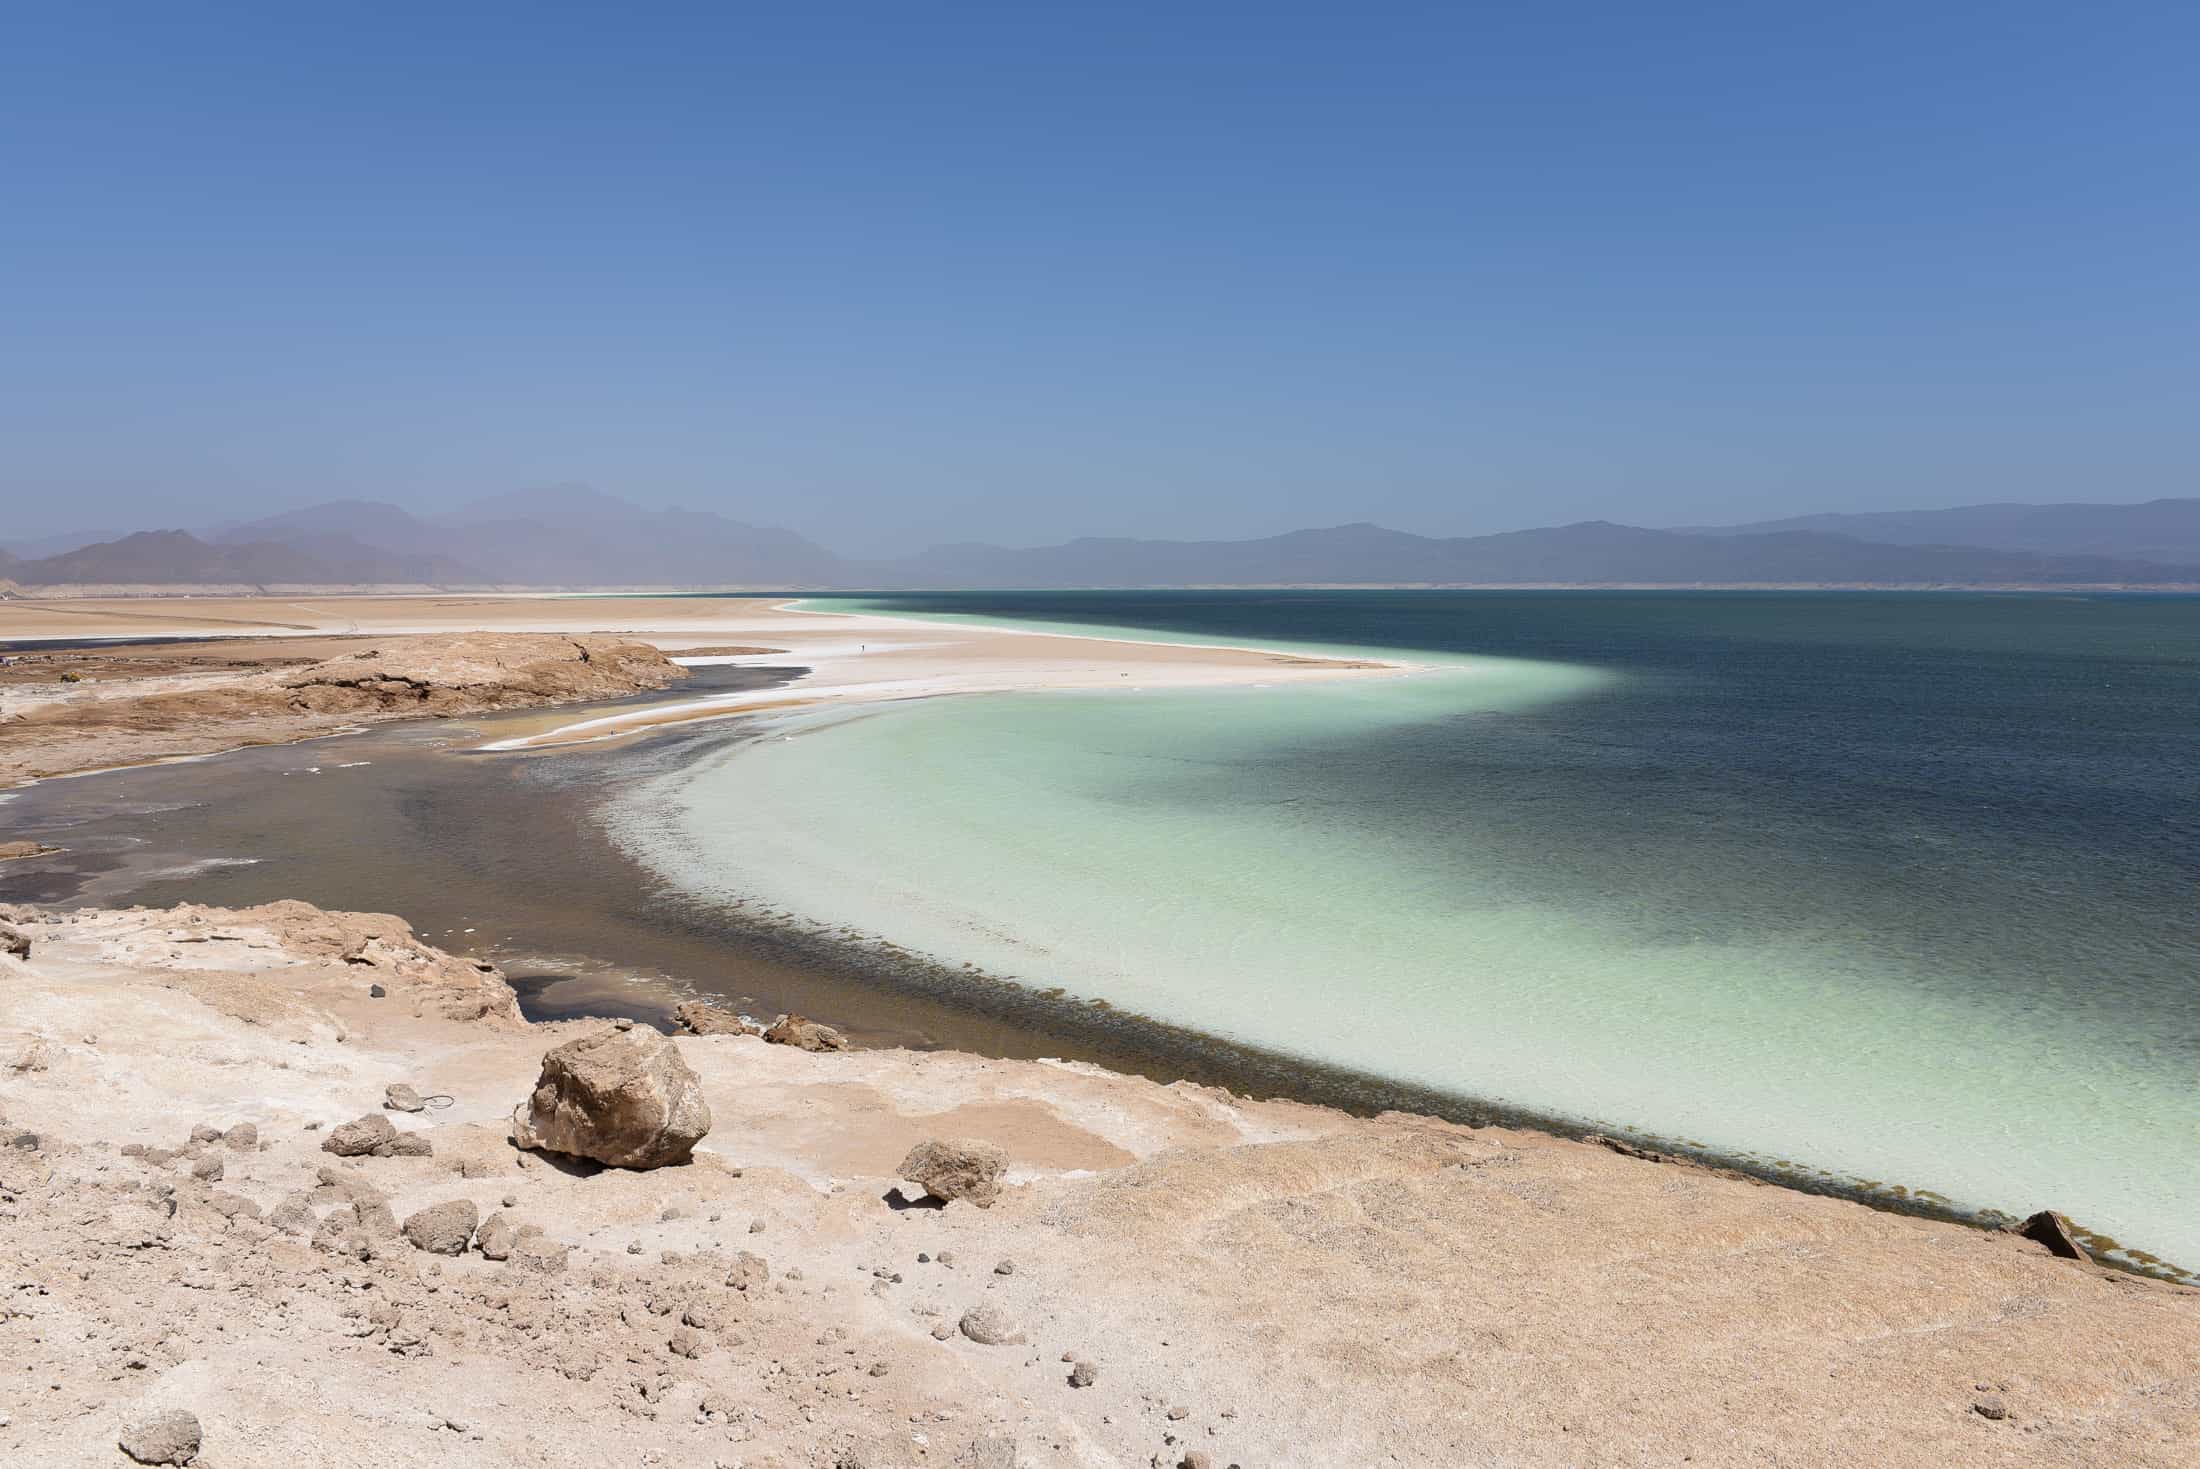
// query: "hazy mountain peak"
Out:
[547,504]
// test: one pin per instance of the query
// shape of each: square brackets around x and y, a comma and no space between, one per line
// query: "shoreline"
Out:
[1166,1047]
[1275,664]
[1268,1283]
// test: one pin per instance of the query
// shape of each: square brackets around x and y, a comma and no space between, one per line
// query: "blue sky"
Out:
[899,274]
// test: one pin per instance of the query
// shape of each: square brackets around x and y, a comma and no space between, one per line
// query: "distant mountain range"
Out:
[565,536]
[178,558]
[2156,530]
[1591,553]
[576,537]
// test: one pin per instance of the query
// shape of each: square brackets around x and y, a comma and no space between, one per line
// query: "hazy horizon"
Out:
[890,280]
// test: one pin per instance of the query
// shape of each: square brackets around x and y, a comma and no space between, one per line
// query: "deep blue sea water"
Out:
[1896,887]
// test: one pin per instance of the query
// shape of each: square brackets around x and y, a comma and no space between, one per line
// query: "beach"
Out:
[849,660]
[1425,1290]
[1231,1281]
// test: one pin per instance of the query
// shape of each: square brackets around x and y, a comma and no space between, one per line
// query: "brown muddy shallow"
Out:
[500,855]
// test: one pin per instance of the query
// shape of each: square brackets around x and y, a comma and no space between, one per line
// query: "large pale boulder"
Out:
[956,1168]
[622,1097]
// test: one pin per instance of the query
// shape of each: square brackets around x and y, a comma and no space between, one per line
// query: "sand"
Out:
[850,658]
[1263,1283]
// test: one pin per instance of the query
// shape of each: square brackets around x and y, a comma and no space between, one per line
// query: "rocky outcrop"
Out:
[14,942]
[804,1034]
[400,677]
[622,1097]
[956,1168]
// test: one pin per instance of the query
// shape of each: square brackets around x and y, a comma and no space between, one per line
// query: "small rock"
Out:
[354,1139]
[511,1201]
[1179,1413]
[400,1097]
[166,1438]
[804,1034]
[496,1236]
[1006,1267]
[1195,1459]
[879,1369]
[208,1169]
[942,1331]
[294,1215]
[688,1342]
[443,1229]
[243,1138]
[697,1018]
[1991,1407]
[539,1253]
[1083,1374]
[749,1271]
[622,1023]
[232,1206]
[203,1133]
[376,992]
[2052,1230]
[406,1145]
[989,1325]
[756,1226]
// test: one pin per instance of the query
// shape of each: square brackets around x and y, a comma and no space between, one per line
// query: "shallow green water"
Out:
[1898,889]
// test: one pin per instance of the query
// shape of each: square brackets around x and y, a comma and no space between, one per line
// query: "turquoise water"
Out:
[1897,890]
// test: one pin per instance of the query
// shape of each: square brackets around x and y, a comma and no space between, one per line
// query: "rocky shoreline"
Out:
[63,728]
[883,1257]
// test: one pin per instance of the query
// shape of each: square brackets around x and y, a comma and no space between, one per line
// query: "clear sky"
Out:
[891,274]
